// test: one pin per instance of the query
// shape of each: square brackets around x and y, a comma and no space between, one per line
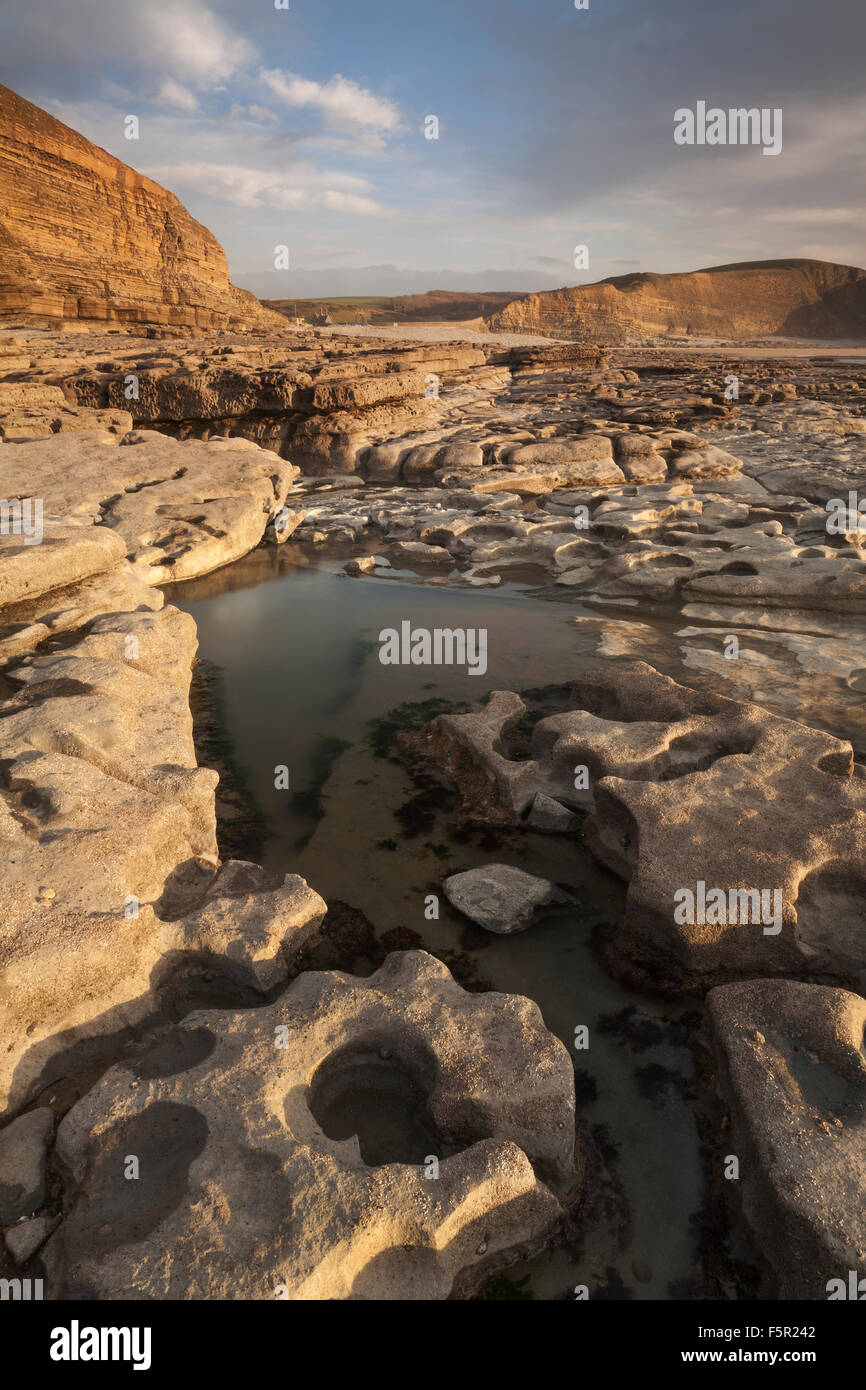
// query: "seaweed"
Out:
[242,825]
[410,717]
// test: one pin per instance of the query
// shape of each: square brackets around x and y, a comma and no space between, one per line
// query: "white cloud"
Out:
[259,114]
[173,94]
[189,40]
[343,104]
[181,39]
[298,189]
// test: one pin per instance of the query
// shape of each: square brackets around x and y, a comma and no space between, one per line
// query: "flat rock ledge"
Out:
[688,794]
[242,1193]
[115,900]
[791,1071]
[181,509]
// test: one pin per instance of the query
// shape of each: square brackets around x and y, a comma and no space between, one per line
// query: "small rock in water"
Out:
[550,815]
[362,565]
[502,899]
[416,552]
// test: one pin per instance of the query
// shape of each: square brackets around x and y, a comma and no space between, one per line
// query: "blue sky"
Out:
[304,127]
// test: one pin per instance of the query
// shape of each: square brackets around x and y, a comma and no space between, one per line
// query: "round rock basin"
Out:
[364,1089]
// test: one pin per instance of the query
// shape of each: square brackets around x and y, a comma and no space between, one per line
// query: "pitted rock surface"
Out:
[686,787]
[242,1193]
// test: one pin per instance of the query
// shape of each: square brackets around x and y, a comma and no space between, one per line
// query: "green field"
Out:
[369,301]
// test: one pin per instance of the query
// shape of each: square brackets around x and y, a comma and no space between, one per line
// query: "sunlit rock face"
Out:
[803,298]
[87,238]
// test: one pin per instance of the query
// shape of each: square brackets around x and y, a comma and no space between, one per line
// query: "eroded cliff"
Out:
[83,236]
[797,298]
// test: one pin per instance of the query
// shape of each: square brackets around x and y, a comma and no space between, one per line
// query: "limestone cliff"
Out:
[83,236]
[796,298]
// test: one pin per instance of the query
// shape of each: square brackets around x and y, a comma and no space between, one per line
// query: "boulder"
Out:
[22,1164]
[502,899]
[24,1239]
[550,816]
[791,1074]
[364,564]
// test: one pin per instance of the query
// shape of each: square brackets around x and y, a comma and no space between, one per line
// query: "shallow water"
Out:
[297,642]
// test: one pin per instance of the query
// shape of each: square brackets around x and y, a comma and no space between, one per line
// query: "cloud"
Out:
[296,190]
[557,128]
[823,216]
[171,93]
[344,105]
[258,114]
[189,40]
[184,40]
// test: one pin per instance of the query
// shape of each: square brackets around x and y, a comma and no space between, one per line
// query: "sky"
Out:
[305,127]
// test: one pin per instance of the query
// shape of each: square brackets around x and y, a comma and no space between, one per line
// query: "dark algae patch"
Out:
[407,718]
[242,827]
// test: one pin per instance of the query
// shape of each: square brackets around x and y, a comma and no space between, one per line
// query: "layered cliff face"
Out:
[83,236]
[799,298]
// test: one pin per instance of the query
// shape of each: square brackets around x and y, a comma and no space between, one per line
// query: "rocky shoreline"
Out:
[150,993]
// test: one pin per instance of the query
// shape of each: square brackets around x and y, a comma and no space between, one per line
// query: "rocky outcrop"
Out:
[638,483]
[84,237]
[280,1117]
[791,1073]
[309,1169]
[114,895]
[742,836]
[797,298]
[180,510]
[318,401]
